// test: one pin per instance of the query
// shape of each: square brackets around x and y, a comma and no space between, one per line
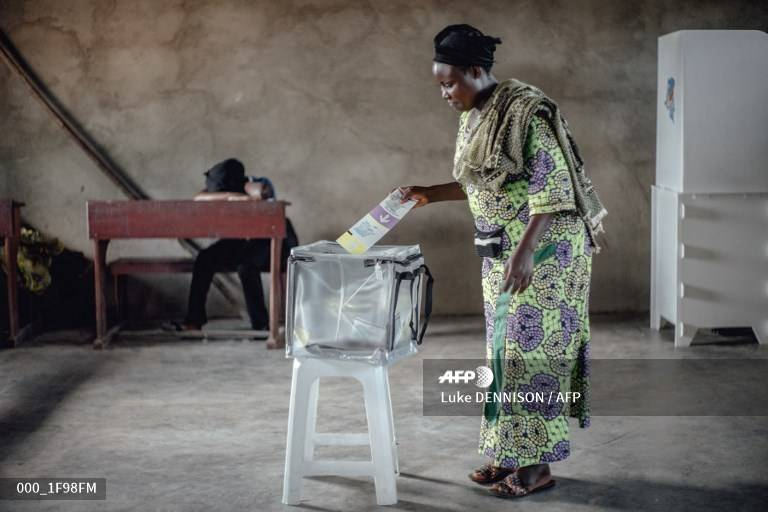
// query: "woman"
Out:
[521,172]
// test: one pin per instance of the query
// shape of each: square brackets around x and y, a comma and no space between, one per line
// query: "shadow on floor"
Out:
[617,494]
[467,331]
[714,337]
[32,397]
[647,495]
[135,339]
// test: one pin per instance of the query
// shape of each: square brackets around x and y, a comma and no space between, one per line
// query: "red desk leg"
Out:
[275,301]
[100,269]
[11,247]
[283,295]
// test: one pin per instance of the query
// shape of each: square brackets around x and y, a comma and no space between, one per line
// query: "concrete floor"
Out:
[191,425]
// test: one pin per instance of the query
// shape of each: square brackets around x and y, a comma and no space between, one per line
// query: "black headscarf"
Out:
[226,176]
[464,45]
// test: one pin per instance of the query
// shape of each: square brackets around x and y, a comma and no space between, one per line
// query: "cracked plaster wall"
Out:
[335,102]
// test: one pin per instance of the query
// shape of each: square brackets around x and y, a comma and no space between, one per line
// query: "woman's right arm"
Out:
[433,194]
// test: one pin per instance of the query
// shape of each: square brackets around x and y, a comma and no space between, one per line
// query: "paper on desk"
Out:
[377,223]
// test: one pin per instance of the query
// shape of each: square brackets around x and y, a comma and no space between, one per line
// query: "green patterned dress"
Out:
[547,331]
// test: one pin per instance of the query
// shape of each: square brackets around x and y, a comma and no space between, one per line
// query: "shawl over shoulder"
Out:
[495,147]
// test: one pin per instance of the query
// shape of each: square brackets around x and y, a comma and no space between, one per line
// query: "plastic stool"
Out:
[302,438]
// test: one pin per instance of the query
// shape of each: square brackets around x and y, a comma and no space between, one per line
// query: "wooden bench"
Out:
[125,266]
[129,266]
[10,231]
[147,219]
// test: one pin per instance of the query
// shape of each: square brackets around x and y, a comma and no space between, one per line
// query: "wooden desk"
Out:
[10,231]
[108,220]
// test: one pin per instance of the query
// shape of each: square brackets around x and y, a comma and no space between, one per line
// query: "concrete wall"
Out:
[335,101]
[3,181]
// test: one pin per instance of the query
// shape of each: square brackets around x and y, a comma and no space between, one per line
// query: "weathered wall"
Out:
[334,100]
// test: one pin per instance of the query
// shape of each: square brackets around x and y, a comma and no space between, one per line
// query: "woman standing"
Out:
[520,170]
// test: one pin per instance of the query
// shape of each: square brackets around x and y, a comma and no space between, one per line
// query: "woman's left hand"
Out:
[518,271]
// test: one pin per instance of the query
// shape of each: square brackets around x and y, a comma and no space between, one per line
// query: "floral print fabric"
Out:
[547,332]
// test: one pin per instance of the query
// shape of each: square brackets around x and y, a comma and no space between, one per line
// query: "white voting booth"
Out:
[709,241]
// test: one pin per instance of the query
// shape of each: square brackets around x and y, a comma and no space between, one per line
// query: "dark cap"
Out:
[226,176]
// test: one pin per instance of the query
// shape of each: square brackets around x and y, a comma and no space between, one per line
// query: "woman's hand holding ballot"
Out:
[433,194]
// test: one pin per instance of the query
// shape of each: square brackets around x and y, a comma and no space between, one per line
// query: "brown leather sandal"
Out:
[489,474]
[512,487]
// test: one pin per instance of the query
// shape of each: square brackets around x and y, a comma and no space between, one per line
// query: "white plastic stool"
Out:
[302,438]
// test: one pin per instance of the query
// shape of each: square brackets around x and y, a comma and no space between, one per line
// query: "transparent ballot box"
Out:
[372,307]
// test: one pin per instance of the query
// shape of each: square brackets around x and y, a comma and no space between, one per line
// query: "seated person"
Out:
[249,257]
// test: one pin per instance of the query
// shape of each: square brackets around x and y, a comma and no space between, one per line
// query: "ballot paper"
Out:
[377,223]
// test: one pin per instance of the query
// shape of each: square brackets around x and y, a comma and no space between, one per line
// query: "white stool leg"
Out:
[309,443]
[301,382]
[391,414]
[380,433]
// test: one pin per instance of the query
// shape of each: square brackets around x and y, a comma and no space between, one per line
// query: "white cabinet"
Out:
[709,262]
[709,239]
